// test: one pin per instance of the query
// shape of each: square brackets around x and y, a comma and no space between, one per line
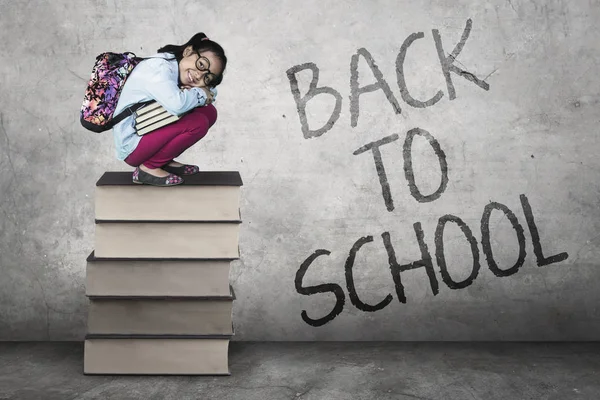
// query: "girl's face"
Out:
[198,69]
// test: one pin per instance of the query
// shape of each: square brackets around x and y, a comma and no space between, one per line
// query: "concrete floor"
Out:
[370,371]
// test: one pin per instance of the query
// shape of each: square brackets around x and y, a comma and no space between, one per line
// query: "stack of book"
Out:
[153,116]
[158,279]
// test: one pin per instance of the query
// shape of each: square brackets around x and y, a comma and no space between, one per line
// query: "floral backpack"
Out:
[103,90]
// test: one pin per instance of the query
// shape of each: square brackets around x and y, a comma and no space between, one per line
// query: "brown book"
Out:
[156,355]
[198,219]
[161,315]
[206,196]
[172,278]
[175,240]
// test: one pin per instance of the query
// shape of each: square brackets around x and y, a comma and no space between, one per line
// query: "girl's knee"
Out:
[199,120]
[131,162]
[197,127]
[210,111]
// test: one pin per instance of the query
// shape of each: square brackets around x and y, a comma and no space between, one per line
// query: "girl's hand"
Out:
[210,93]
[210,96]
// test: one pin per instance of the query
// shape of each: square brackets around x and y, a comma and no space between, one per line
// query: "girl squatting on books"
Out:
[182,79]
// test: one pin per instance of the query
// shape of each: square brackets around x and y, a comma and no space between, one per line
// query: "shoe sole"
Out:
[149,184]
[177,172]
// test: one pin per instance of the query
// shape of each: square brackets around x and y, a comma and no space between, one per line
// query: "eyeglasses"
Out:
[202,64]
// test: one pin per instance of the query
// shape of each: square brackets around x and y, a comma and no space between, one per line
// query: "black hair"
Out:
[199,43]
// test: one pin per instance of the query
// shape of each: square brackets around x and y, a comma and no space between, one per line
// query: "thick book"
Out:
[148,108]
[166,239]
[153,116]
[156,355]
[159,124]
[149,114]
[154,119]
[205,196]
[123,315]
[156,277]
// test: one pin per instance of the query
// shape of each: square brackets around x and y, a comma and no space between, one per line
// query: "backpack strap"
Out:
[127,112]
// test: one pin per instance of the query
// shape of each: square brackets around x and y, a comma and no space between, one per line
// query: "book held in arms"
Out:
[153,116]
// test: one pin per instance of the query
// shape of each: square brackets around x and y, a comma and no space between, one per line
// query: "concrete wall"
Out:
[516,136]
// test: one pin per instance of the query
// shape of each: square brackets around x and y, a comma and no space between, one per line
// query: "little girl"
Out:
[180,78]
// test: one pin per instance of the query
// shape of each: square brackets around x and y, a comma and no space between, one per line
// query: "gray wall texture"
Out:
[438,177]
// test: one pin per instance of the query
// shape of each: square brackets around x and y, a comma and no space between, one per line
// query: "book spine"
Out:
[157,125]
[156,118]
[148,108]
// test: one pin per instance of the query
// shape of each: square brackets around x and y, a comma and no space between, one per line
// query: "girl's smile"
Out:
[198,69]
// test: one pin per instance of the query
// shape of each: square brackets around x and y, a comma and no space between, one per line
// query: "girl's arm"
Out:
[161,86]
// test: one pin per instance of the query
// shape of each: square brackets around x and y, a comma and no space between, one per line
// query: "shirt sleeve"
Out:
[161,85]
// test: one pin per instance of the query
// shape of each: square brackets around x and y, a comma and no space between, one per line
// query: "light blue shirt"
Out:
[152,79]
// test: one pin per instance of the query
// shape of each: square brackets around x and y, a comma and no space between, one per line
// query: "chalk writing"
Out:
[313,90]
[350,280]
[486,246]
[446,63]
[324,288]
[355,91]
[425,261]
[402,82]
[408,168]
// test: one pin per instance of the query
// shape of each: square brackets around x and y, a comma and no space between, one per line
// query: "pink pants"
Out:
[161,146]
